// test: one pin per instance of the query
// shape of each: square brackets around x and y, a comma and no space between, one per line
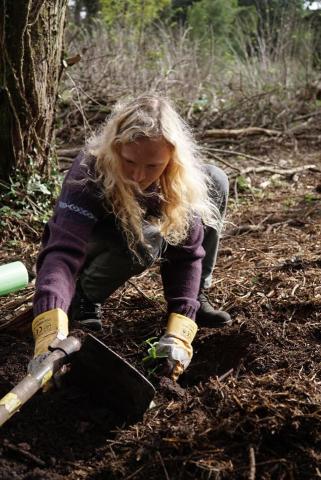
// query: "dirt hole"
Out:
[215,355]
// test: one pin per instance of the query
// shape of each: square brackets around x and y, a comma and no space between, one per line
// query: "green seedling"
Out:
[151,360]
[152,352]
[243,184]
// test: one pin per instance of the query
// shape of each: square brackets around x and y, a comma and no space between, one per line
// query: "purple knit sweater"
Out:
[67,233]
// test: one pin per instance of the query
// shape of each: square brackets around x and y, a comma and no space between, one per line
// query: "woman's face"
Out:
[144,160]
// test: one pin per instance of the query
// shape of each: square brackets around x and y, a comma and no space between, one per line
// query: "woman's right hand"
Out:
[48,329]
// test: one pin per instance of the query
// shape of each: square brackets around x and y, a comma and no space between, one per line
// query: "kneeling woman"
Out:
[138,193]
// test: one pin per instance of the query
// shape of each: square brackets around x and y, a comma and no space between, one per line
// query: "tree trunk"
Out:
[31,40]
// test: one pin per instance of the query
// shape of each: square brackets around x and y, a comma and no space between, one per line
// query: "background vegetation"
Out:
[207,55]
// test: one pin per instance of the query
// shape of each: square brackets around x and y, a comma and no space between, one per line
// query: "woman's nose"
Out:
[138,175]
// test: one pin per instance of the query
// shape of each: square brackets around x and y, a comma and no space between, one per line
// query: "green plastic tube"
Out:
[13,277]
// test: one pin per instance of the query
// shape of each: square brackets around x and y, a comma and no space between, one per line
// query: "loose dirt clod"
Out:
[167,386]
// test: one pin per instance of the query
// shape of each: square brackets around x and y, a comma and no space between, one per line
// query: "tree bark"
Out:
[31,42]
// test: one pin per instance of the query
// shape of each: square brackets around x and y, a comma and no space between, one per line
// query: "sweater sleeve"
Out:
[65,239]
[181,273]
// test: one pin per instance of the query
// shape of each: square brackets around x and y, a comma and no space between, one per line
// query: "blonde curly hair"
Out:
[183,187]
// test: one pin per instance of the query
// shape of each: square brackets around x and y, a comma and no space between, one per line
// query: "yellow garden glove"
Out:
[48,329]
[176,343]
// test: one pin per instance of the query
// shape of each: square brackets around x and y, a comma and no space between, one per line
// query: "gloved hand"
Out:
[176,344]
[48,329]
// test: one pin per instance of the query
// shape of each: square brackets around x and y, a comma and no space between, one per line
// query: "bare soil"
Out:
[248,407]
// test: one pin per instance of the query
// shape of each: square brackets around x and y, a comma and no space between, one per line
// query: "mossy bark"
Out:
[31,42]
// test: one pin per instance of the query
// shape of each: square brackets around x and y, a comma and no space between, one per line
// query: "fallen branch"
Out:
[308,115]
[246,228]
[249,228]
[68,152]
[224,162]
[234,152]
[239,132]
[24,453]
[289,171]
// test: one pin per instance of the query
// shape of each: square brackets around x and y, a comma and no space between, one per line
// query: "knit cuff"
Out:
[188,308]
[49,303]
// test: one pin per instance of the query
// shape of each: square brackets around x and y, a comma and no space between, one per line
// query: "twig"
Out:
[286,321]
[140,291]
[236,153]
[245,100]
[29,227]
[246,228]
[227,164]
[252,464]
[307,115]
[236,195]
[17,322]
[163,465]
[289,171]
[68,152]
[239,132]
[24,453]
[135,473]
[18,302]
[225,375]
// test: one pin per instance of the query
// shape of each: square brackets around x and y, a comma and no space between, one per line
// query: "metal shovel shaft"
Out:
[21,393]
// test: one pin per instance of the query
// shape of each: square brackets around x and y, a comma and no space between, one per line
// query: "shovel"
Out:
[94,366]
[111,379]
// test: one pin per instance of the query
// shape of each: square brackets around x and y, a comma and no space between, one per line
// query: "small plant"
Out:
[243,184]
[310,198]
[151,360]
[29,196]
[152,352]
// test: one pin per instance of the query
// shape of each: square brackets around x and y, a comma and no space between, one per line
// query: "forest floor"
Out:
[249,406]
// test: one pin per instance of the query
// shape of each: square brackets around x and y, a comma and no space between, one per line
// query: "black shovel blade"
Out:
[111,379]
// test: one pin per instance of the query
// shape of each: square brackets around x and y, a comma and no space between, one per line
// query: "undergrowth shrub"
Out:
[115,62]
[29,198]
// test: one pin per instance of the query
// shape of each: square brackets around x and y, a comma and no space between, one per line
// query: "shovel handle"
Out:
[29,385]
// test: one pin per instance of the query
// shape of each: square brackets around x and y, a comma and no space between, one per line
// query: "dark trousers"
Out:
[109,263]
